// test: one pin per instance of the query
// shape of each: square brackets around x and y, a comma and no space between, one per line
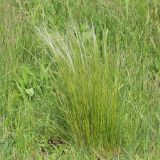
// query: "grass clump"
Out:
[86,86]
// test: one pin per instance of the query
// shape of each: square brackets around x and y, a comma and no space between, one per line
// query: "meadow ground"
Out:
[80,79]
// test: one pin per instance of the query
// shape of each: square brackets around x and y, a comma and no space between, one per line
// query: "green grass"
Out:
[82,73]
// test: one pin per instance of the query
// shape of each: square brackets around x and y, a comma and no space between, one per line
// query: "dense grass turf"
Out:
[80,79]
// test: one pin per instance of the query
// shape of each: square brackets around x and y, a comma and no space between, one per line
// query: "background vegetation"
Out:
[79,79]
